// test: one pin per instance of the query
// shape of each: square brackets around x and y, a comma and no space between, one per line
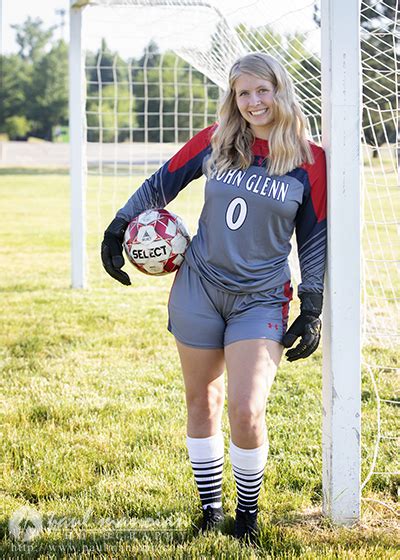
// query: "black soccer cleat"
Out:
[246,526]
[212,518]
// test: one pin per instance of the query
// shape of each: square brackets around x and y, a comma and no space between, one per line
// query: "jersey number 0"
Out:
[236,213]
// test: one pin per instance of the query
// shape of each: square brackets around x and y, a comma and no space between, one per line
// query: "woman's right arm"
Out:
[156,192]
[166,183]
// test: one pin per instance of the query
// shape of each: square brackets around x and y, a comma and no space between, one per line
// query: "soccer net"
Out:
[154,73]
[380,41]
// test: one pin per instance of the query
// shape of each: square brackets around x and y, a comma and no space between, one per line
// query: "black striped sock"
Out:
[248,470]
[248,486]
[207,460]
[208,476]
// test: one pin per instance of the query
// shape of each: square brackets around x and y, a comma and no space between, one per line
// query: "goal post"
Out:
[77,120]
[168,93]
[341,138]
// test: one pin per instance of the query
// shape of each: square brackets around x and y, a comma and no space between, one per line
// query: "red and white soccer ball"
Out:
[155,242]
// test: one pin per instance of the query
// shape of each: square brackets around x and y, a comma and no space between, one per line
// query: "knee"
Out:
[247,415]
[208,402]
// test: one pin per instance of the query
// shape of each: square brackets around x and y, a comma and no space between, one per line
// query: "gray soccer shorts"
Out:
[204,317]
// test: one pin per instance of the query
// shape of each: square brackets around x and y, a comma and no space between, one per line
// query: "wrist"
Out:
[117,228]
[311,304]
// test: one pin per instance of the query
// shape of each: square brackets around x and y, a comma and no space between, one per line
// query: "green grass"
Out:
[92,411]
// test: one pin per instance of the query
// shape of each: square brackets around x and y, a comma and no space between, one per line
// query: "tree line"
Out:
[34,83]
[156,98]
[127,100]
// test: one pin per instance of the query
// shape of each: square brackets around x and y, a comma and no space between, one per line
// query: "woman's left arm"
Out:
[311,234]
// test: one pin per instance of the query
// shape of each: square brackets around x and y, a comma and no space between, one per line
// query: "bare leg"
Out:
[204,383]
[205,390]
[251,367]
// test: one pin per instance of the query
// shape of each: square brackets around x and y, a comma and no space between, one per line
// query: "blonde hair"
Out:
[233,138]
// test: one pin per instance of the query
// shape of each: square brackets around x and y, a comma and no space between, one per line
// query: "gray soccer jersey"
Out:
[243,238]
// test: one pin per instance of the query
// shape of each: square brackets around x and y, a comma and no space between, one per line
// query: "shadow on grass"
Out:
[34,171]
[90,542]
[111,544]
[305,534]
[313,530]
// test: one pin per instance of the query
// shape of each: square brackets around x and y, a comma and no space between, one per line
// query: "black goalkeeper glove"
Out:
[111,250]
[307,326]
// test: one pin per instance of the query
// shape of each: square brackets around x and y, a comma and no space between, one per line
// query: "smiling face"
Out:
[254,99]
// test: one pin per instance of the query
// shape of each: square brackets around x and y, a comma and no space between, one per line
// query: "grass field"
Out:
[93,415]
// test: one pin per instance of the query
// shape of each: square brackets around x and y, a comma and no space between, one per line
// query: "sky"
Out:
[16,12]
[256,11]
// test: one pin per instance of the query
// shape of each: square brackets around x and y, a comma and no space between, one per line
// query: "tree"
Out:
[15,76]
[17,127]
[170,97]
[111,116]
[48,106]
[32,39]
[111,107]
[35,82]
[104,67]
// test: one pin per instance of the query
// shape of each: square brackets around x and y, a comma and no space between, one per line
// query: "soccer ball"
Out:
[155,242]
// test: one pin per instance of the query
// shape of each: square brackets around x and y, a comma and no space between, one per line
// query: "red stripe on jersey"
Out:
[260,147]
[317,177]
[287,292]
[191,149]
[316,174]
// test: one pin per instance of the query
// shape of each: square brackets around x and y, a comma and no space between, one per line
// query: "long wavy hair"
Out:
[233,138]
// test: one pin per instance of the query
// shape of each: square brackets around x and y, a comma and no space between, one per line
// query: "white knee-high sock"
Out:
[248,469]
[207,459]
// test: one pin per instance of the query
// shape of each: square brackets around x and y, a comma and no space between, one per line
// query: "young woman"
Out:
[229,303]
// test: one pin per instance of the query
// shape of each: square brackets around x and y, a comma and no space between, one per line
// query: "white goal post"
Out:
[341,83]
[77,133]
[341,138]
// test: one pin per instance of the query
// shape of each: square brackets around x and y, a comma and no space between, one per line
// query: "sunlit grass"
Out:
[92,412]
